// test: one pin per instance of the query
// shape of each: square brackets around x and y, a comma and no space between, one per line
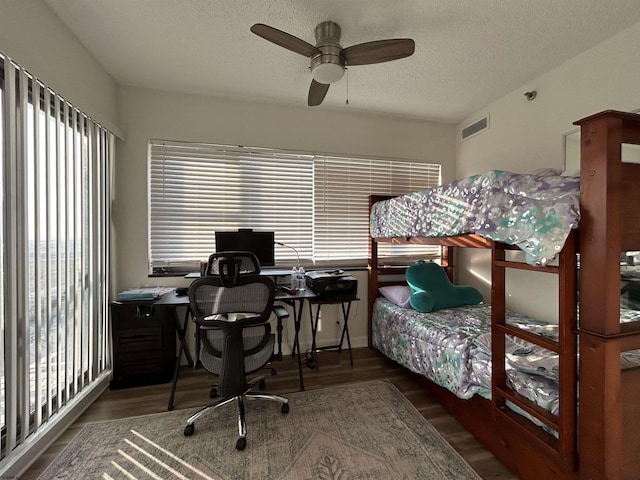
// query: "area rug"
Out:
[365,430]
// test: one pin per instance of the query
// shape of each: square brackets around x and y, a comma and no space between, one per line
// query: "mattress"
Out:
[534,212]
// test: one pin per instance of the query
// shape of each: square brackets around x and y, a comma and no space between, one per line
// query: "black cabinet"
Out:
[144,344]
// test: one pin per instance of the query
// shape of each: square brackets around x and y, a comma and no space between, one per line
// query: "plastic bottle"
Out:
[294,279]
[302,281]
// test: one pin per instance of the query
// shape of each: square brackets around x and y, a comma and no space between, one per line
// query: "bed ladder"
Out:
[563,447]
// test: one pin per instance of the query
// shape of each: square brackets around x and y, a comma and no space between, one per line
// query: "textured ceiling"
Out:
[468,52]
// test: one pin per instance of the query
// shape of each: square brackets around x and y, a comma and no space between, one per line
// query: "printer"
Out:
[332,285]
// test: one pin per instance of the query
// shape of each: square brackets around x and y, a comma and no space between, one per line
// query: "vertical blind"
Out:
[317,204]
[55,168]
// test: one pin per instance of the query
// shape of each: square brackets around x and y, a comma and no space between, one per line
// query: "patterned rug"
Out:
[366,430]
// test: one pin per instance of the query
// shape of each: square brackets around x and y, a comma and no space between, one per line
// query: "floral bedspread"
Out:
[450,348]
[534,212]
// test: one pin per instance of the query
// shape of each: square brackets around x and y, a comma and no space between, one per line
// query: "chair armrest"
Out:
[280,312]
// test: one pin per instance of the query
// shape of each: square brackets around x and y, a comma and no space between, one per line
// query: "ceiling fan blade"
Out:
[317,92]
[378,51]
[285,40]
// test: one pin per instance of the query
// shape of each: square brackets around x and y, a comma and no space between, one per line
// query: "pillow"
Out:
[432,290]
[397,294]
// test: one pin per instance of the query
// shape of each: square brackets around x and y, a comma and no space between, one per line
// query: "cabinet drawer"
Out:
[139,363]
[141,339]
[127,316]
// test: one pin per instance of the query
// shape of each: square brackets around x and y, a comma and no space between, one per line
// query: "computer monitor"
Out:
[259,243]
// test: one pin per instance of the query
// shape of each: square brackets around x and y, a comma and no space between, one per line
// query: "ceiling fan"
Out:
[329,59]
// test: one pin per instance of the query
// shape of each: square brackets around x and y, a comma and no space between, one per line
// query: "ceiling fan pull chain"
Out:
[347,70]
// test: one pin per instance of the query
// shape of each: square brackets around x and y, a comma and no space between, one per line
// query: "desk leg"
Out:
[345,330]
[278,356]
[181,330]
[296,330]
[314,331]
[197,363]
[297,317]
[296,345]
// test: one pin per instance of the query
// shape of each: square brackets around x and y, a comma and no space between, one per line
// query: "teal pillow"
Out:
[432,289]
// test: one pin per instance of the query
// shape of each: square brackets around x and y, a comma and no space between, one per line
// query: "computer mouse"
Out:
[182,291]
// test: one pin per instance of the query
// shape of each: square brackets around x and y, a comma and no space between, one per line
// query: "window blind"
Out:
[341,215]
[198,188]
[317,204]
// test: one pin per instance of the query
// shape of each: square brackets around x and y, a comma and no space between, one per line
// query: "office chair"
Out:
[249,265]
[237,302]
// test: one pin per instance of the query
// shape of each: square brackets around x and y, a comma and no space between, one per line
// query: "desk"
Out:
[269,272]
[172,301]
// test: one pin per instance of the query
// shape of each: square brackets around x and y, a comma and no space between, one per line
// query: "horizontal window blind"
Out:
[341,216]
[198,188]
[317,204]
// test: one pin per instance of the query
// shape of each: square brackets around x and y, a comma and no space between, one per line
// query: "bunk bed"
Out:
[595,437]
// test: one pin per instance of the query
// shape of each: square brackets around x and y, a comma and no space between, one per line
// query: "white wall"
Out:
[35,38]
[151,114]
[527,135]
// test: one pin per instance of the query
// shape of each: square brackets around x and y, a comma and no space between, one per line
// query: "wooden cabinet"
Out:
[144,344]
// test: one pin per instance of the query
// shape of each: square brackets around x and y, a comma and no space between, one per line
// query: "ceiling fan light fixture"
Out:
[329,59]
[327,73]
[328,67]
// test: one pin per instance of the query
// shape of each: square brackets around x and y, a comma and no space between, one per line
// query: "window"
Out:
[342,186]
[196,189]
[55,188]
[317,204]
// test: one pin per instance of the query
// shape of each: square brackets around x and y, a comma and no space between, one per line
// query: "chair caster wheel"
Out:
[213,393]
[274,371]
[241,443]
[189,429]
[262,385]
[285,408]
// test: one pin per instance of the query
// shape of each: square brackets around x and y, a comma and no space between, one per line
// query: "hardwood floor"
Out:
[333,369]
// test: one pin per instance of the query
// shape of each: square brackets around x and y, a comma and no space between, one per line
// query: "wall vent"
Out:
[475,128]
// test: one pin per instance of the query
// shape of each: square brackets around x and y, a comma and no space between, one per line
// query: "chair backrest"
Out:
[230,302]
[232,290]
[231,265]
[248,301]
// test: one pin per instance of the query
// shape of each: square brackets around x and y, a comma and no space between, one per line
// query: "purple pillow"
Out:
[397,294]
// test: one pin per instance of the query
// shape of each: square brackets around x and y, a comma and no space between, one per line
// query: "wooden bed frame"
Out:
[608,441]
